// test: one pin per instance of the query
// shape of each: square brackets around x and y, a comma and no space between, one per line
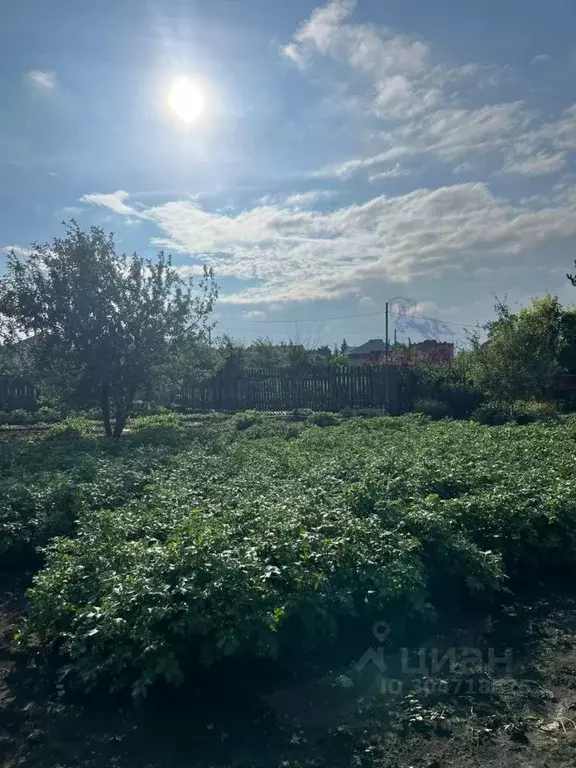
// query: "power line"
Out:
[353,317]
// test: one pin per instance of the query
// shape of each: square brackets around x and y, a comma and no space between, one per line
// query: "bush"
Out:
[157,421]
[448,384]
[435,409]
[492,414]
[72,428]
[323,419]
[246,419]
[299,414]
[529,411]
[17,417]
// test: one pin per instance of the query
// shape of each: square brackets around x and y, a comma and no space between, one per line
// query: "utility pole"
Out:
[395,337]
[387,344]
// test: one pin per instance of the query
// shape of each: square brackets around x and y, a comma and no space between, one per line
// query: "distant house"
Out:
[372,352]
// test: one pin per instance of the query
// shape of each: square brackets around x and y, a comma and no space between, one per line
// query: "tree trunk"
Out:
[105,404]
[120,423]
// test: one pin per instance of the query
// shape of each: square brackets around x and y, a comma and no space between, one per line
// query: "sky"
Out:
[350,153]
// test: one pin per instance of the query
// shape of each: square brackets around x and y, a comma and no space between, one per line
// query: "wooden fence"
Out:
[326,389]
[18,393]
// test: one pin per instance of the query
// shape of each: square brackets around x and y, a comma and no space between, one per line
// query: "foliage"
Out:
[521,411]
[449,384]
[493,413]
[100,325]
[246,543]
[72,428]
[433,408]
[522,355]
[323,419]
[246,419]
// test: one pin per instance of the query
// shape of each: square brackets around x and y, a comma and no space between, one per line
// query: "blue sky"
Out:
[349,152]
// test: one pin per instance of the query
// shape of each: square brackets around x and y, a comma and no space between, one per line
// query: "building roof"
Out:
[370,347]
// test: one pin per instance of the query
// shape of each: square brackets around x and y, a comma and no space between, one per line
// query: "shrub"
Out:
[528,411]
[156,421]
[17,417]
[72,428]
[299,414]
[435,409]
[449,384]
[492,414]
[246,419]
[323,419]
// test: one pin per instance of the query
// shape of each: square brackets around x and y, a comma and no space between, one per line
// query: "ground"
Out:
[376,699]
[331,716]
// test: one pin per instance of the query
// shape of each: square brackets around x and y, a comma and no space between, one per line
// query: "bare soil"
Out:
[395,710]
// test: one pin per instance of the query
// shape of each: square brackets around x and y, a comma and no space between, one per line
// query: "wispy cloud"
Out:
[537,165]
[113,200]
[302,255]
[41,80]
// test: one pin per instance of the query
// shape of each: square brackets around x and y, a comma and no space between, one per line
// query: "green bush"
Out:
[435,409]
[492,414]
[18,417]
[528,411]
[246,419]
[156,421]
[448,384]
[323,419]
[299,414]
[72,428]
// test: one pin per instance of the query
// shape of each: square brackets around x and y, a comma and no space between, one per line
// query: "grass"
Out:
[258,553]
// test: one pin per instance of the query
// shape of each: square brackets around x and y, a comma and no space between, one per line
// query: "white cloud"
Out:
[306,199]
[300,255]
[41,80]
[541,57]
[112,200]
[390,173]
[537,165]
[350,167]
[425,101]
[254,314]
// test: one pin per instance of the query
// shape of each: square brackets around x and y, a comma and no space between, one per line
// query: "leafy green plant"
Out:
[492,413]
[246,419]
[323,419]
[72,428]
[435,409]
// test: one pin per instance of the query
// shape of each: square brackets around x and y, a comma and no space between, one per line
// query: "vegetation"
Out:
[186,546]
[100,325]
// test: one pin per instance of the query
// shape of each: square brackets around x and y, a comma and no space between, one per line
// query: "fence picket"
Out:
[330,388]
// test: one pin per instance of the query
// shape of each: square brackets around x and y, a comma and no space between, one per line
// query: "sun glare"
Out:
[185,100]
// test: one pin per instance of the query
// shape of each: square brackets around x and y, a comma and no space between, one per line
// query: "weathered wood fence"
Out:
[18,393]
[327,389]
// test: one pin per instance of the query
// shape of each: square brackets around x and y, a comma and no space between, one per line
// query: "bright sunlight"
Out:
[186,100]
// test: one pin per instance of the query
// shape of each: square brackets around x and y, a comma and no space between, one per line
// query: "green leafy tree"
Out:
[263,353]
[101,325]
[344,347]
[522,355]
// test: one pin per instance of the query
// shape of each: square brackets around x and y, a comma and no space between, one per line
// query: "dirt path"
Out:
[518,712]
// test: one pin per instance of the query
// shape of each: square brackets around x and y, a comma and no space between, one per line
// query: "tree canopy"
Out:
[101,325]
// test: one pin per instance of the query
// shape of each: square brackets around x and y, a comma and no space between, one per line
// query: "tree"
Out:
[344,347]
[100,324]
[523,352]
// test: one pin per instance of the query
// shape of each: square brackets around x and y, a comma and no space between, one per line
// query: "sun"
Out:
[185,99]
